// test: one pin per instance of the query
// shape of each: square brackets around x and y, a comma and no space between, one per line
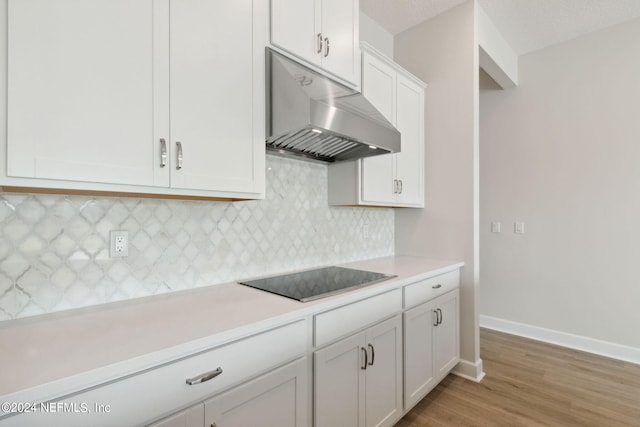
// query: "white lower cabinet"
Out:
[275,399]
[153,393]
[447,333]
[431,345]
[192,417]
[418,353]
[358,380]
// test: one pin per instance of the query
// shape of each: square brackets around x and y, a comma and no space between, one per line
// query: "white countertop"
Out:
[56,354]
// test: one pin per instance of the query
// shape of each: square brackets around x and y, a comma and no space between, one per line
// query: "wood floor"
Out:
[529,383]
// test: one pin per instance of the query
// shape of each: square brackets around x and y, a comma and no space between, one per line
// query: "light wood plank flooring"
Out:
[529,383]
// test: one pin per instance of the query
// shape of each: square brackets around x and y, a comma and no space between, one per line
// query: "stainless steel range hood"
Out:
[312,116]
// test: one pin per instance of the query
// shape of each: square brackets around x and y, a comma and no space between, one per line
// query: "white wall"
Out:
[443,53]
[373,33]
[561,152]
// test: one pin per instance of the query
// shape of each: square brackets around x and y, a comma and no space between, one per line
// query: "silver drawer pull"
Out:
[179,154]
[438,286]
[204,377]
[163,152]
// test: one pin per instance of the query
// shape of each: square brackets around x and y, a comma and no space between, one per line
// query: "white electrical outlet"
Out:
[119,243]
[365,231]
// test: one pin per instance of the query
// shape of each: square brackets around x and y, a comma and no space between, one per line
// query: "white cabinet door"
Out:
[192,417]
[410,161]
[81,88]
[384,373]
[324,33]
[358,380]
[339,391]
[418,353]
[293,27]
[431,344]
[379,87]
[275,399]
[216,97]
[340,30]
[447,333]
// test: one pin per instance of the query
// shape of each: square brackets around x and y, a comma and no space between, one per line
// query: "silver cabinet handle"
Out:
[163,152]
[395,186]
[440,311]
[319,43]
[435,312]
[326,47]
[179,155]
[364,365]
[373,355]
[400,181]
[204,377]
[438,286]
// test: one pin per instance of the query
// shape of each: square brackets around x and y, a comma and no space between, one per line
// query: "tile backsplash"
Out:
[54,249]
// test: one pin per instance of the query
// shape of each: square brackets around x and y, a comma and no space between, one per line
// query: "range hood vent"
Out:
[312,116]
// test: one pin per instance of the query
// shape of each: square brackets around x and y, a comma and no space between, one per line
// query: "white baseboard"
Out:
[576,342]
[469,370]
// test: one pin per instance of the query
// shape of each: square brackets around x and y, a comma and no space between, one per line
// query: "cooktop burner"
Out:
[313,284]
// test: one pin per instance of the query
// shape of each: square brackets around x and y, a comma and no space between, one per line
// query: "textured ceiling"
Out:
[398,15]
[527,25]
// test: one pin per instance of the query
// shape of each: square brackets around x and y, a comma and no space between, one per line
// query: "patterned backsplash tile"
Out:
[54,250]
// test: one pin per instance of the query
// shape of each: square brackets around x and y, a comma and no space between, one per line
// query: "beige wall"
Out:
[561,152]
[443,53]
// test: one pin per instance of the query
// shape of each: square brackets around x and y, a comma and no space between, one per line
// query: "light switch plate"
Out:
[518,228]
[495,227]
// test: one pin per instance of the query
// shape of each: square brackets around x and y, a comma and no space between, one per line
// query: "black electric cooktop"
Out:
[313,284]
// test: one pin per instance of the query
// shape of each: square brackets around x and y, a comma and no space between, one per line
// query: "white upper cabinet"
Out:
[380,89]
[142,96]
[81,88]
[409,162]
[324,33]
[214,120]
[389,179]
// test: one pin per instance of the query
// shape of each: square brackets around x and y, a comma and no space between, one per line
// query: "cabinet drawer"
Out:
[428,289]
[159,391]
[347,319]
